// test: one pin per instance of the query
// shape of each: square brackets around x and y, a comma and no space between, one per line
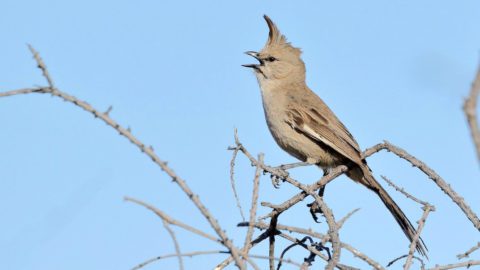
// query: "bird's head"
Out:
[278,61]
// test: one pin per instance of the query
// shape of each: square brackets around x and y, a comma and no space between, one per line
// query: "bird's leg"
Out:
[321,191]
[314,210]
[314,207]
[275,180]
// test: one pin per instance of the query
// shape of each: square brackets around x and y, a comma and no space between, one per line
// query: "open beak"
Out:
[254,55]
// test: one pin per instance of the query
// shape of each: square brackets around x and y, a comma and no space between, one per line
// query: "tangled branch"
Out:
[274,229]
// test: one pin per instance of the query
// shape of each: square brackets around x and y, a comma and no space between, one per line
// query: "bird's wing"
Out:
[327,130]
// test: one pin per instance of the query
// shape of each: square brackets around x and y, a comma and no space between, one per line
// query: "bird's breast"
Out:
[289,139]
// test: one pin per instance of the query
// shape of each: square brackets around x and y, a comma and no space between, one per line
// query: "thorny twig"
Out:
[332,225]
[207,252]
[41,65]
[280,208]
[421,223]
[232,182]
[182,225]
[427,208]
[253,208]
[323,237]
[466,264]
[468,252]
[271,241]
[189,254]
[172,221]
[444,186]
[346,217]
[175,243]
[51,89]
[287,167]
[404,192]
[259,239]
[280,173]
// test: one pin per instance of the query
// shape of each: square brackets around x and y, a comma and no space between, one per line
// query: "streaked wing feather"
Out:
[330,132]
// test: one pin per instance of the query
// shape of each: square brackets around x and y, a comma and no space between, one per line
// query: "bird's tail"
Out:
[365,177]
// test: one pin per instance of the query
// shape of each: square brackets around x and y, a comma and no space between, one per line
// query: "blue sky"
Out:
[172,72]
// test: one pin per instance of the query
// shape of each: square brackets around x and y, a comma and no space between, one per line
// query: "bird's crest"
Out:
[276,39]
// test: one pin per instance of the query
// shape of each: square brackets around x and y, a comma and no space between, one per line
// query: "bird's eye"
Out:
[271,59]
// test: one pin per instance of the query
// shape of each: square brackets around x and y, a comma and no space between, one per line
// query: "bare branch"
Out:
[342,221]
[175,243]
[315,251]
[332,225]
[189,254]
[182,225]
[253,208]
[172,221]
[242,256]
[24,91]
[404,192]
[109,109]
[333,232]
[427,208]
[146,150]
[468,252]
[289,261]
[286,167]
[41,65]
[421,223]
[277,209]
[446,188]
[467,264]
[470,109]
[334,173]
[310,232]
[207,252]
[259,239]
[232,179]
[272,229]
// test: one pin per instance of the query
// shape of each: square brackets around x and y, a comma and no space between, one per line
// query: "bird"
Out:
[305,127]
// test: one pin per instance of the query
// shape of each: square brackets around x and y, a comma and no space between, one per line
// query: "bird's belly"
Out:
[302,147]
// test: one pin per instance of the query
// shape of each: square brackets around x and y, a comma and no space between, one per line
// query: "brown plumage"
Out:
[304,126]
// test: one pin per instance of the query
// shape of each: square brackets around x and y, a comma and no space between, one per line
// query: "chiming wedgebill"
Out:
[304,126]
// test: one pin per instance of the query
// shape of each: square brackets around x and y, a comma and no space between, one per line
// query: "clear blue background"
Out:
[172,71]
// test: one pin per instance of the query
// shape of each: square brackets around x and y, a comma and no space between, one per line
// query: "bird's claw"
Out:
[314,210]
[277,176]
[276,181]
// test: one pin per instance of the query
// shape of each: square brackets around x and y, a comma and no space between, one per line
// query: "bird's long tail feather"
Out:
[364,176]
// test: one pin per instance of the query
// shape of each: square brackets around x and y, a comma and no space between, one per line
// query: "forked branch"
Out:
[51,89]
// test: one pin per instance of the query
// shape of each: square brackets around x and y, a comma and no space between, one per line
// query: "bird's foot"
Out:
[314,210]
[277,175]
[276,181]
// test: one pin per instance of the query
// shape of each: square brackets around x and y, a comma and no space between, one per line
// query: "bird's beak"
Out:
[254,55]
